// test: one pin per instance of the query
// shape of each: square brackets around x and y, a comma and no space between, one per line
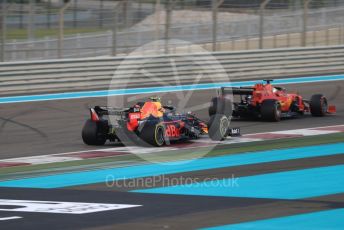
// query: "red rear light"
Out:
[94,115]
[332,109]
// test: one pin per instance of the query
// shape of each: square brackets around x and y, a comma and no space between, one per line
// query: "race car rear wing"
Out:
[105,110]
[99,111]
[236,90]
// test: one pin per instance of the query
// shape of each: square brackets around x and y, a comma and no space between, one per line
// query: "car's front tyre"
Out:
[218,127]
[220,105]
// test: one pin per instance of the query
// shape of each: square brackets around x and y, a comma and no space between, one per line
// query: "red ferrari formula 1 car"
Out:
[267,102]
[150,123]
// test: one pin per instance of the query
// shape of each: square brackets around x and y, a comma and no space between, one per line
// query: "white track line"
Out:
[10,218]
[63,157]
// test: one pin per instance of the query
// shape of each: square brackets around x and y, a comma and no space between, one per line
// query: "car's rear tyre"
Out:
[218,127]
[271,110]
[318,105]
[94,133]
[153,134]
[220,106]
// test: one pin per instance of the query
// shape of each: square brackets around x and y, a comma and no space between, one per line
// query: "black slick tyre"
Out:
[153,134]
[94,133]
[318,105]
[271,110]
[220,105]
[218,127]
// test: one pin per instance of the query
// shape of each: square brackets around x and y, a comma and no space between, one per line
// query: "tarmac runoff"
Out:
[99,176]
[331,219]
[297,184]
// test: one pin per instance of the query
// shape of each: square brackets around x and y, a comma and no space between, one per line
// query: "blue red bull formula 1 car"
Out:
[150,123]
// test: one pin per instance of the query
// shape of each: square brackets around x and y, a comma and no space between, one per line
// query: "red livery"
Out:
[267,102]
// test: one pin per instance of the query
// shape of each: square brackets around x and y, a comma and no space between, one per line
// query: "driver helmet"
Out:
[157,101]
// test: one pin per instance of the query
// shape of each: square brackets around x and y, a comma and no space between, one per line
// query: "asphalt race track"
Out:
[158,211]
[49,127]
[40,128]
